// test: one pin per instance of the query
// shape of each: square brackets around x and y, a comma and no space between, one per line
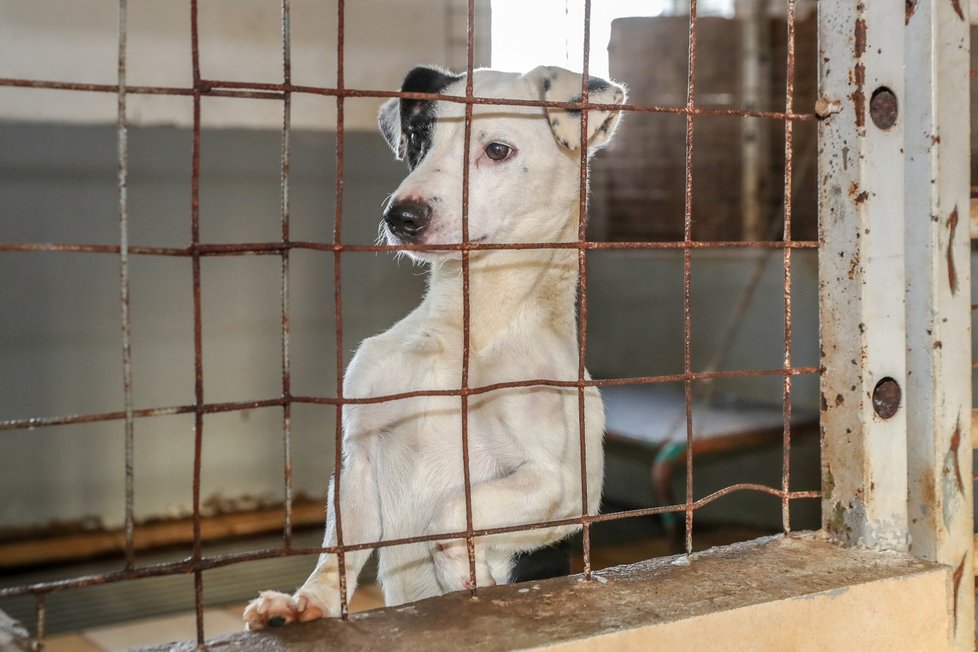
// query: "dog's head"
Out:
[524,161]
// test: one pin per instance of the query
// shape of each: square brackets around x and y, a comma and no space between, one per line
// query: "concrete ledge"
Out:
[779,593]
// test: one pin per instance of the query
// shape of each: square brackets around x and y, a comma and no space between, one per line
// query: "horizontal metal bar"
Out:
[215,408]
[277,248]
[256,90]
[218,561]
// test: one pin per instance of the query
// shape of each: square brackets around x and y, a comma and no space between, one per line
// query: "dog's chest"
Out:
[421,369]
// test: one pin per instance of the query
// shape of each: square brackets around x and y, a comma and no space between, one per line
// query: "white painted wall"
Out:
[77,41]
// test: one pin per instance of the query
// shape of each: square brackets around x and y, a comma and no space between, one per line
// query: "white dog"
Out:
[402,472]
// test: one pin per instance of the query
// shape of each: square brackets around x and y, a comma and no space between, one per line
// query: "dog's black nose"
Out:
[407,219]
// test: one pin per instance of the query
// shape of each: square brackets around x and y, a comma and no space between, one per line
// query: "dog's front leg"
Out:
[530,494]
[319,596]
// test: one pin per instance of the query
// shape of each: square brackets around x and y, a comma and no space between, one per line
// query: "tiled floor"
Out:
[177,627]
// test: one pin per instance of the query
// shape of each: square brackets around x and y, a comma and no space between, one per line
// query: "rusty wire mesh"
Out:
[197,563]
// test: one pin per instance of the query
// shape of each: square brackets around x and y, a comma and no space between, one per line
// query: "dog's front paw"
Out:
[452,566]
[274,609]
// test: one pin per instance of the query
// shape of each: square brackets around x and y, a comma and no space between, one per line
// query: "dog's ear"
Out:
[559,85]
[396,114]
[389,120]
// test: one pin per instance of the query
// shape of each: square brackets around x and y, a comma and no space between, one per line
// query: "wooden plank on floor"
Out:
[86,545]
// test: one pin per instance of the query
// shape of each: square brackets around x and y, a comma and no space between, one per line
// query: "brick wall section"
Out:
[638,185]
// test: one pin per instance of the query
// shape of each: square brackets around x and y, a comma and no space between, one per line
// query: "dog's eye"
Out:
[415,140]
[498,151]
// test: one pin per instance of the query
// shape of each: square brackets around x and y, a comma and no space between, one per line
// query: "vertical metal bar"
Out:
[40,611]
[938,297]
[582,285]
[789,97]
[123,155]
[338,303]
[861,275]
[688,274]
[198,329]
[286,364]
[469,540]
[754,145]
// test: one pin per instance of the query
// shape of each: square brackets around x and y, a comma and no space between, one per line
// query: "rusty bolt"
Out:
[883,108]
[824,107]
[886,398]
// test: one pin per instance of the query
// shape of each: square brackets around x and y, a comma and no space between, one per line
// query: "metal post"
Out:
[754,143]
[939,297]
[861,273]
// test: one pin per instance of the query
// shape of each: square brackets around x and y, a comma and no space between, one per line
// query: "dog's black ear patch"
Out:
[407,123]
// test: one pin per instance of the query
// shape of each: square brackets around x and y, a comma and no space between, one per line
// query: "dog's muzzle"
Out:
[407,220]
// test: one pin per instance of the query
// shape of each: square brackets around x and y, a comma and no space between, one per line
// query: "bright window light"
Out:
[529,33]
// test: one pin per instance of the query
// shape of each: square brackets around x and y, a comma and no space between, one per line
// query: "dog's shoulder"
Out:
[414,343]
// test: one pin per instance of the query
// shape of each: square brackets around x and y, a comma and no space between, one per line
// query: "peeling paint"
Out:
[888,533]
[837,524]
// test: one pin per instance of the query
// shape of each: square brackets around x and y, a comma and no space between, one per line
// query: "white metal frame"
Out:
[895,284]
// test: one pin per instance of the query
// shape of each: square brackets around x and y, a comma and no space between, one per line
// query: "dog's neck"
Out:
[537,287]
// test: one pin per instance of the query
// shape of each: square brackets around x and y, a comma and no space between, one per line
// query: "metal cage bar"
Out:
[688,273]
[789,98]
[582,292]
[123,156]
[338,304]
[284,283]
[466,300]
[202,87]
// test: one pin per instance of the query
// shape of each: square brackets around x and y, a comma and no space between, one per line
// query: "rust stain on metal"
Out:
[860,37]
[858,96]
[853,264]
[958,574]
[952,272]
[928,490]
[909,11]
[953,455]
[957,8]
